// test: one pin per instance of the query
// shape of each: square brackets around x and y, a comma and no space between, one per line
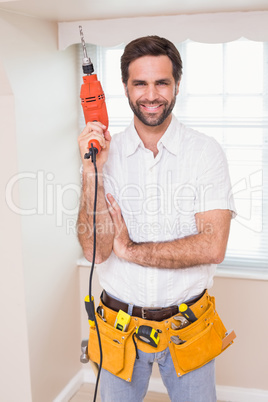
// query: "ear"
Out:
[177,88]
[125,89]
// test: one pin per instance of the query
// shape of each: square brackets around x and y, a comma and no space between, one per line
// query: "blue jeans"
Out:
[196,386]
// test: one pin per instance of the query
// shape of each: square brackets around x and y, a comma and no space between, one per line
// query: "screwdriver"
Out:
[187,312]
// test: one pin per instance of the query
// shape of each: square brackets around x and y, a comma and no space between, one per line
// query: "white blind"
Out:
[223,93]
[206,28]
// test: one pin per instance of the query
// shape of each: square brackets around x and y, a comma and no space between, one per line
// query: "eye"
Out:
[163,83]
[139,84]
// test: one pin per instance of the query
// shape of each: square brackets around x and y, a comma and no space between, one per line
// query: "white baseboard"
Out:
[236,394]
[224,393]
[83,376]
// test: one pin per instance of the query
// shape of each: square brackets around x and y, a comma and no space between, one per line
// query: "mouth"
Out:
[151,108]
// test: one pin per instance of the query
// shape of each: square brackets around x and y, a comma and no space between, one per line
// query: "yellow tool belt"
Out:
[204,339]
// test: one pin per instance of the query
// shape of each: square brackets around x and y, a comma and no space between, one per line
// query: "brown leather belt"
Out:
[147,313]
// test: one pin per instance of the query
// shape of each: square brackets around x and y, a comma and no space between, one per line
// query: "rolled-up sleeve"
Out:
[213,180]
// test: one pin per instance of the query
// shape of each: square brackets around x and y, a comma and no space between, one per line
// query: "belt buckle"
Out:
[143,313]
[153,311]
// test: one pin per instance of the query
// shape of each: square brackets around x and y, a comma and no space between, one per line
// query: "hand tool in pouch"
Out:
[228,339]
[177,340]
[187,312]
[183,322]
[122,321]
[147,334]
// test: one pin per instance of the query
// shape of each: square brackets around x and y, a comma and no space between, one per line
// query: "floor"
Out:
[86,393]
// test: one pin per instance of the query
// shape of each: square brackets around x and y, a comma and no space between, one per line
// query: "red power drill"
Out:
[92,98]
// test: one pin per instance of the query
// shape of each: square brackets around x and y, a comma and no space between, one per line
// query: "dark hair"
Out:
[151,46]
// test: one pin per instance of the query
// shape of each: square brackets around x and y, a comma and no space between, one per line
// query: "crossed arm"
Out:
[206,247]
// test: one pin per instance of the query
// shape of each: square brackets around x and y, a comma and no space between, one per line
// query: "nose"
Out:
[151,92]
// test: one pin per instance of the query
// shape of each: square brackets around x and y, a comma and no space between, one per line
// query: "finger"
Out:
[114,207]
[117,218]
[115,213]
[84,139]
[91,127]
[107,135]
[95,126]
[96,136]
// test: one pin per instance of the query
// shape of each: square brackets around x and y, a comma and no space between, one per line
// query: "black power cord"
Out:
[90,305]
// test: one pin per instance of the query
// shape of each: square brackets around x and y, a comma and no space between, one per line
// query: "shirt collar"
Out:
[133,140]
[169,140]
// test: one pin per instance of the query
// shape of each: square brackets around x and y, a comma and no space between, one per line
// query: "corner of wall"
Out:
[14,334]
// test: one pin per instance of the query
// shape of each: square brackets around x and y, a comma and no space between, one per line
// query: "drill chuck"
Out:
[88,68]
[87,65]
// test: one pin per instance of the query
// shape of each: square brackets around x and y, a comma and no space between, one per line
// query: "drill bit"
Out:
[87,64]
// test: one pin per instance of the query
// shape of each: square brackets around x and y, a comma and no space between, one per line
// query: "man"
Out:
[167,219]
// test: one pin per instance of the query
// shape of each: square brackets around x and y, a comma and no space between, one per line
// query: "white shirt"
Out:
[159,198]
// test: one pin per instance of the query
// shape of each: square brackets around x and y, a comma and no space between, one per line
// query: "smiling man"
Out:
[163,218]
[151,90]
[153,96]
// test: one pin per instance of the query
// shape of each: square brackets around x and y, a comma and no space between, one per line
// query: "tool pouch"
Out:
[204,340]
[118,349]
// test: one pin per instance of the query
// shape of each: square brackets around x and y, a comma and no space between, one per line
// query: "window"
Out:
[223,93]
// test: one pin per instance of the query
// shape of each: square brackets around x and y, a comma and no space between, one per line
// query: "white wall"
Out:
[241,304]
[13,334]
[41,249]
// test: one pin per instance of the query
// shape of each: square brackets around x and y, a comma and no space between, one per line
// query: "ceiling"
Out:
[75,10]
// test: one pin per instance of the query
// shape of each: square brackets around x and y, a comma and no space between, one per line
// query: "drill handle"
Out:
[94,106]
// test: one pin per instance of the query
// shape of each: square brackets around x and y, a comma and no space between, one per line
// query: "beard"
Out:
[152,119]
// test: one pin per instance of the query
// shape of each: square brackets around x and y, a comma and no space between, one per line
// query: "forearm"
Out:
[104,224]
[180,253]
[208,246]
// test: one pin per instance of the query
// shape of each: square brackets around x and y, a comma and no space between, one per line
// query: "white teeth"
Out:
[152,107]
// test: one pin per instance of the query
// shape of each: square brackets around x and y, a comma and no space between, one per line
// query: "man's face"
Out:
[151,89]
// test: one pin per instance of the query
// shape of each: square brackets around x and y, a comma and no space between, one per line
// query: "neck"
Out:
[150,135]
